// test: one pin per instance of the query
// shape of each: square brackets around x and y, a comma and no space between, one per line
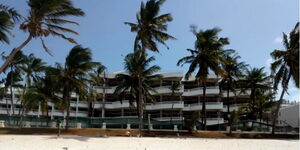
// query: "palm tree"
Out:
[206,57]
[73,77]
[39,93]
[19,59]
[264,102]
[255,80]
[138,69]
[150,29]
[95,80]
[151,26]
[32,67]
[233,70]
[286,66]
[8,18]
[12,81]
[45,18]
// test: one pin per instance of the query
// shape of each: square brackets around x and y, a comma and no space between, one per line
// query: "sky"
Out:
[254,28]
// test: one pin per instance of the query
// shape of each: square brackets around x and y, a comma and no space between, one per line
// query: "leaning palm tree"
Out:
[206,57]
[151,29]
[151,26]
[138,69]
[8,18]
[286,66]
[45,18]
[73,76]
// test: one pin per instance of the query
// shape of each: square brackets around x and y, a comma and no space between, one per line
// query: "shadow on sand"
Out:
[79,138]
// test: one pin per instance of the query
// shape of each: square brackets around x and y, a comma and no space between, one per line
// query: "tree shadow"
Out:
[79,138]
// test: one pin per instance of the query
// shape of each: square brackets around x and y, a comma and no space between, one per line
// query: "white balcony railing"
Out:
[117,104]
[238,93]
[169,118]
[231,108]
[166,90]
[210,90]
[165,105]
[198,106]
[213,121]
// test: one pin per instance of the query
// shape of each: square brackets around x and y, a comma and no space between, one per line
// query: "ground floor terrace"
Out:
[173,123]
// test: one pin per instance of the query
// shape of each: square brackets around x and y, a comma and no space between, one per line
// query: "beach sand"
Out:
[38,142]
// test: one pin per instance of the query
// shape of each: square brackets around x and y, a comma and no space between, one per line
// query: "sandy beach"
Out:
[37,142]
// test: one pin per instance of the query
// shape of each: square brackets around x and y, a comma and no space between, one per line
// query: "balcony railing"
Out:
[169,118]
[198,106]
[213,121]
[164,105]
[210,90]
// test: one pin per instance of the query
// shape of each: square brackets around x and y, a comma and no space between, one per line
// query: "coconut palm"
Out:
[8,18]
[286,65]
[39,93]
[206,57]
[32,67]
[14,67]
[150,29]
[94,81]
[12,81]
[138,69]
[264,102]
[233,70]
[255,80]
[73,76]
[151,26]
[46,18]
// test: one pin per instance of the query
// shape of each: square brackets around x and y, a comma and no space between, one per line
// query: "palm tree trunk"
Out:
[68,114]
[13,53]
[8,111]
[11,91]
[140,110]
[286,82]
[228,113]
[204,106]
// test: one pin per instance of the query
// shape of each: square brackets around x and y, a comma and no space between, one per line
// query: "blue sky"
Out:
[254,28]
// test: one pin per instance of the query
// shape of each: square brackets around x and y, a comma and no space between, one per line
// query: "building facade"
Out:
[172,107]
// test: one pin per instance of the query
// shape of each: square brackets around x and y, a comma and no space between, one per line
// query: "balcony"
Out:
[16,101]
[198,106]
[117,105]
[3,111]
[238,93]
[211,90]
[165,105]
[107,90]
[82,104]
[213,121]
[231,108]
[79,114]
[169,118]
[166,90]
[171,74]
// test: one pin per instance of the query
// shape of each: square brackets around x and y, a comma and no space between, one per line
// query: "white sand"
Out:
[35,142]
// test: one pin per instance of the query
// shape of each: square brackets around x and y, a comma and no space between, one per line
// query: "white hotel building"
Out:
[168,110]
